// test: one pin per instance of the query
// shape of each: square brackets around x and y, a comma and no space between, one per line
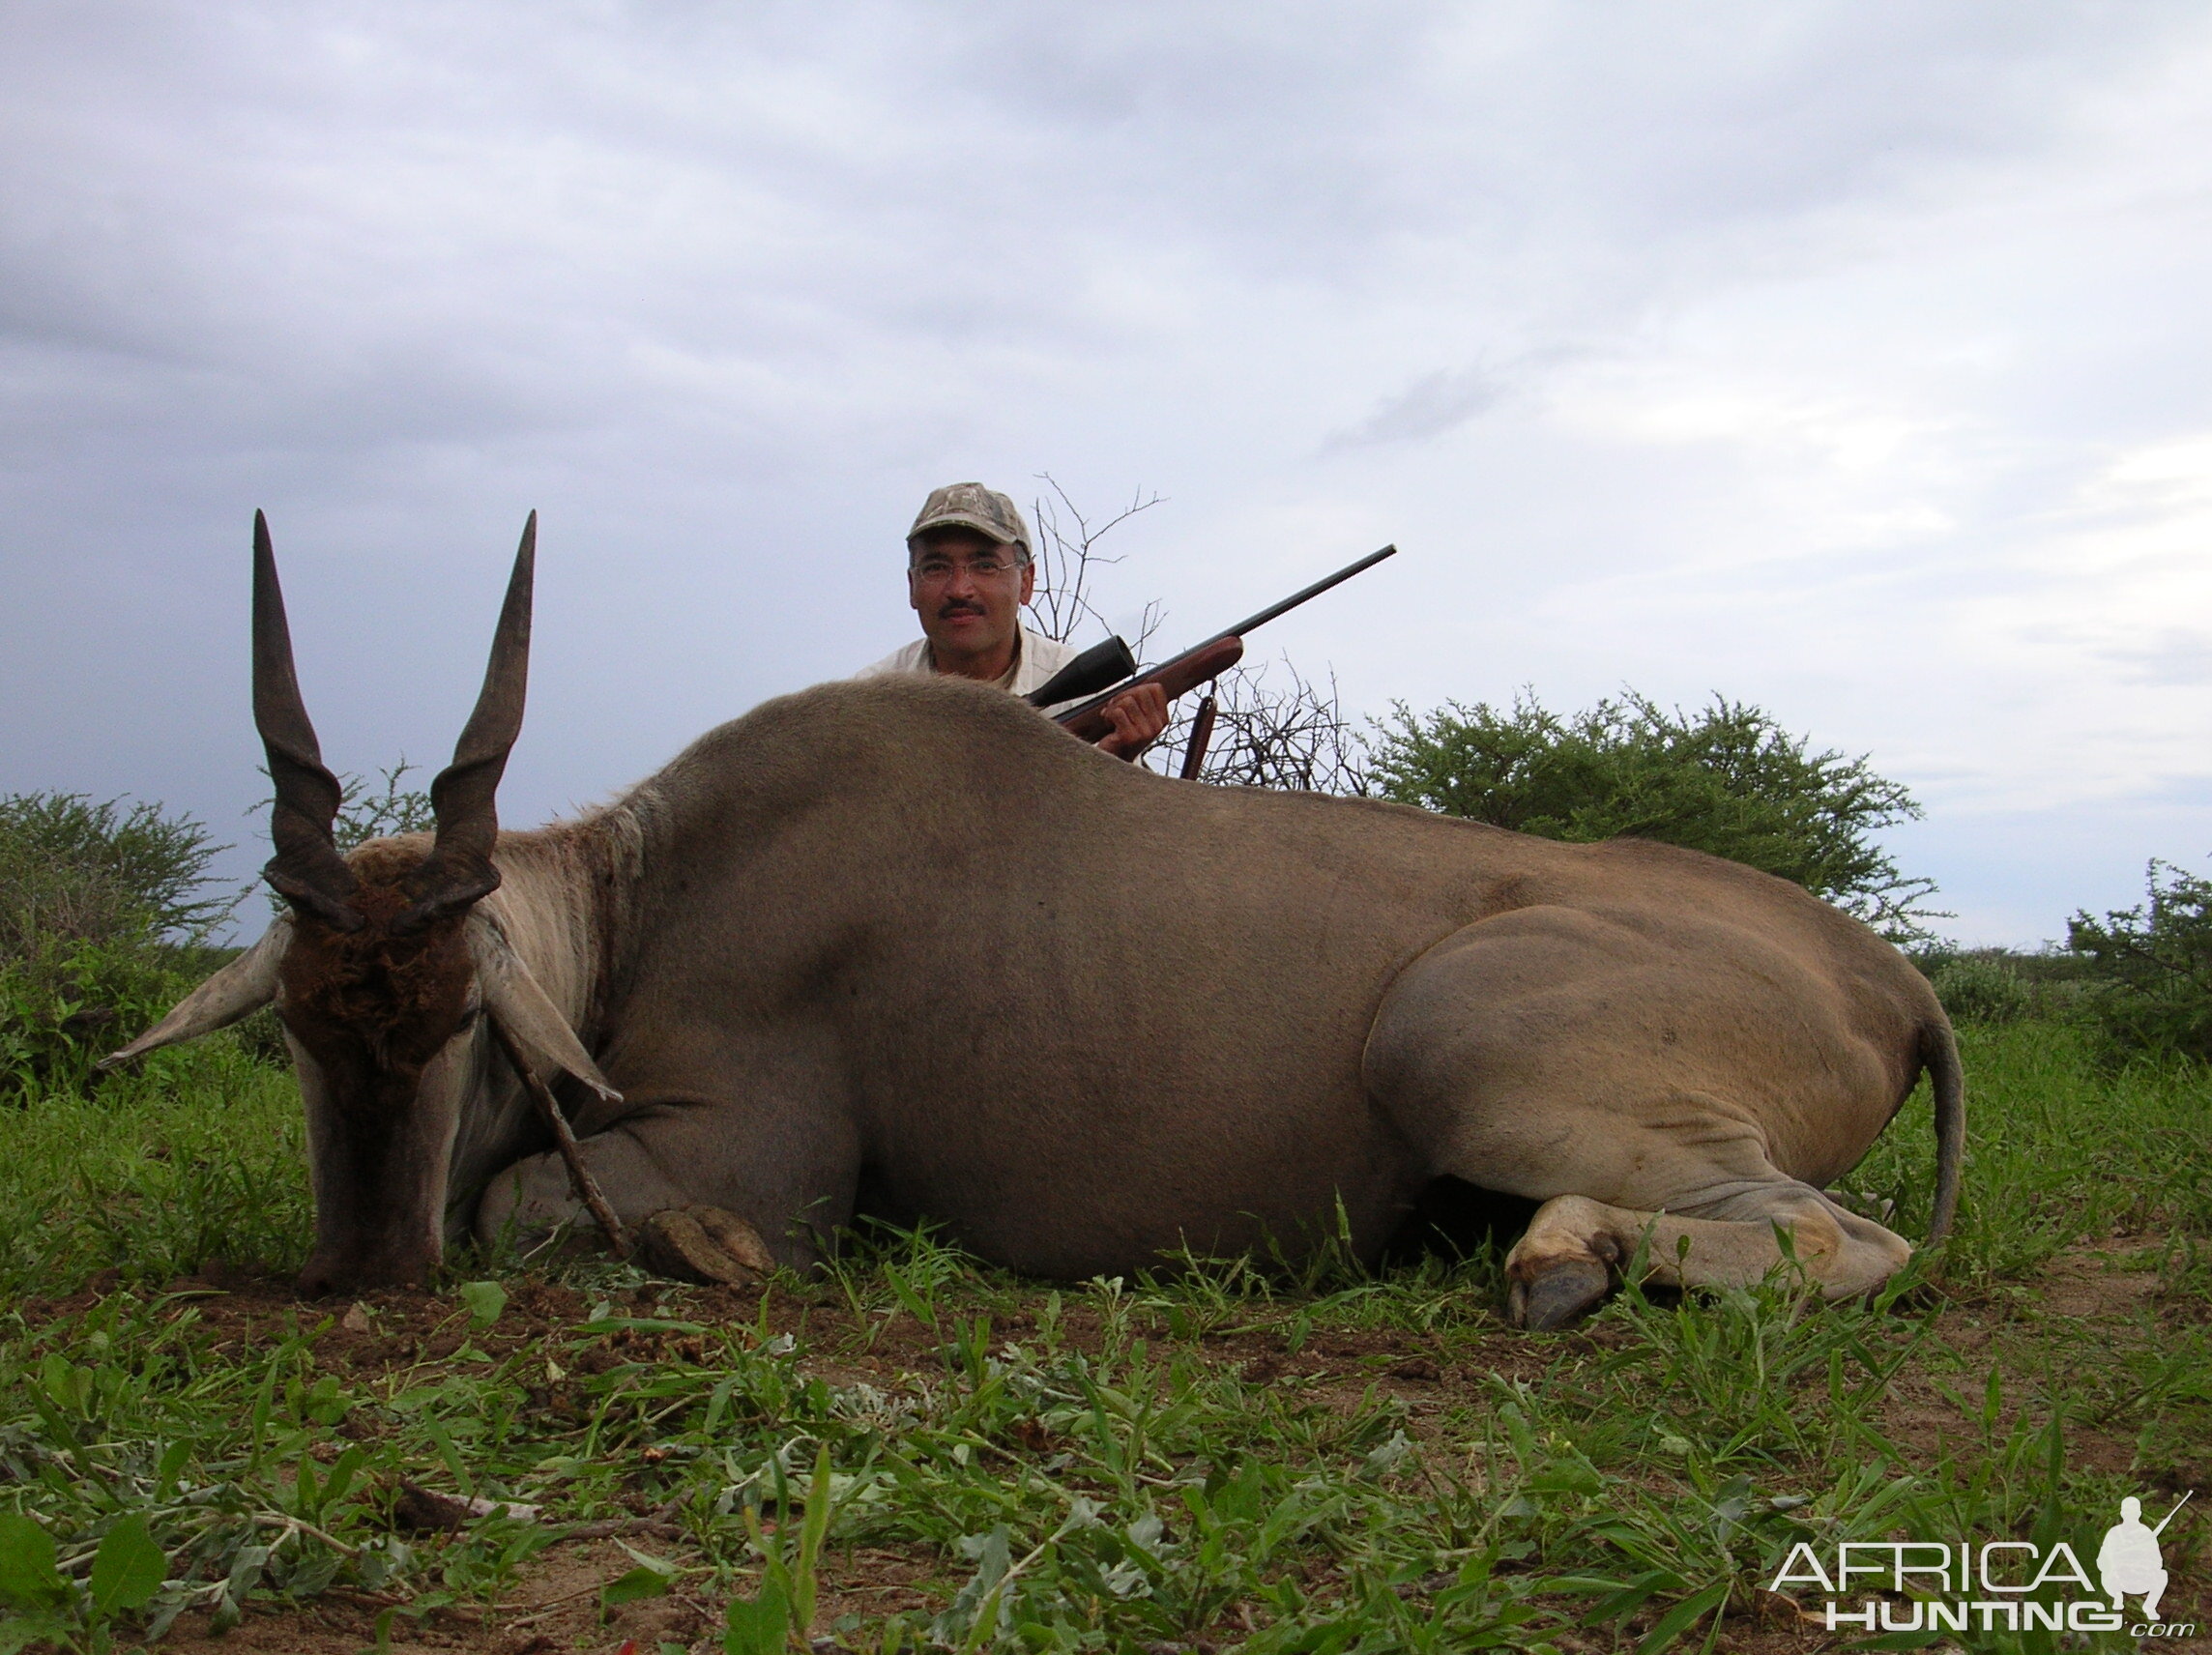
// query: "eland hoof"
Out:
[1563,1292]
[704,1244]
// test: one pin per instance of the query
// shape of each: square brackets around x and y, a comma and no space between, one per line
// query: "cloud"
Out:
[1429,407]
[1847,360]
[2169,656]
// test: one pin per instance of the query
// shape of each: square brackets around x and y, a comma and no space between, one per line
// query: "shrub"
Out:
[1976,988]
[64,1003]
[101,873]
[364,815]
[1727,779]
[94,900]
[2152,967]
[104,913]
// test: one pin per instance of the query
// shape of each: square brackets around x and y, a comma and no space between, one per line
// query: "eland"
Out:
[900,947]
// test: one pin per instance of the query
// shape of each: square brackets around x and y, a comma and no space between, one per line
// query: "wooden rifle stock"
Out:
[1200,733]
[1208,660]
[1186,672]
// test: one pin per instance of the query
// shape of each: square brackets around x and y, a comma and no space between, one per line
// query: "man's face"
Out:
[968,592]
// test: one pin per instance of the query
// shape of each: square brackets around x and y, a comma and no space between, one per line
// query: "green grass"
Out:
[936,1455]
[193,1159]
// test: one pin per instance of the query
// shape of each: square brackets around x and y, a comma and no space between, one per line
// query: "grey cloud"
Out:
[2171,658]
[1430,406]
[722,289]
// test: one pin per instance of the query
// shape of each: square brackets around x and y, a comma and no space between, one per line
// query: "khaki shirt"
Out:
[1037,658]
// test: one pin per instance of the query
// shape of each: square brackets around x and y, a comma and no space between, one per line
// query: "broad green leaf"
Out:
[326,1404]
[341,1476]
[69,1386]
[1678,1620]
[129,1568]
[641,1582]
[484,1301]
[28,1577]
[172,1466]
[761,1627]
[652,1576]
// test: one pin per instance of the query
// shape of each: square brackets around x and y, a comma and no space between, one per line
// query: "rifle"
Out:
[1107,670]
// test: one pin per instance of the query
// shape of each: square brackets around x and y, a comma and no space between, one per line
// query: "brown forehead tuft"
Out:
[388,862]
[371,998]
[420,966]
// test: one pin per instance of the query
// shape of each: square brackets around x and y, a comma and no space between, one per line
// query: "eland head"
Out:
[394,986]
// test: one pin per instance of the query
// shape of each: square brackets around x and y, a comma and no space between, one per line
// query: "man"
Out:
[2129,1559]
[969,573]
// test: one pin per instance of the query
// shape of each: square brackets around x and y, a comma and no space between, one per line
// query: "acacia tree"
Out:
[1727,779]
[75,868]
[2152,966]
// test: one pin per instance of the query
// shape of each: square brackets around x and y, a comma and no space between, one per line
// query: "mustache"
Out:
[958,606]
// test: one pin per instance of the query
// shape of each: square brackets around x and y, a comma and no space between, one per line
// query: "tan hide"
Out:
[239,990]
[513,998]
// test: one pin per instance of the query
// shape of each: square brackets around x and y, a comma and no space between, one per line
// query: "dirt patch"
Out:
[553,1607]
[2096,1284]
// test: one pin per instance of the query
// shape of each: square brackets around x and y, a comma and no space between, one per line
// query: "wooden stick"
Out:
[1200,733]
[586,1186]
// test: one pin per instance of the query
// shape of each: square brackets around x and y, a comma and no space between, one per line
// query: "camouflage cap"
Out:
[972,505]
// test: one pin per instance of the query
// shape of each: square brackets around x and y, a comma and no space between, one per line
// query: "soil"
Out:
[553,1607]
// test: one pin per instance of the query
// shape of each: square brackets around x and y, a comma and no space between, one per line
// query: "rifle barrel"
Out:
[1151,674]
[2176,1512]
[1297,597]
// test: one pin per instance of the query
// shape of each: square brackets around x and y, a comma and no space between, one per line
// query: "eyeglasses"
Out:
[934,570]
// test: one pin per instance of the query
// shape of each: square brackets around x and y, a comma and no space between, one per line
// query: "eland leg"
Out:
[713,1192]
[1576,1249]
[677,1234]
[1685,1082]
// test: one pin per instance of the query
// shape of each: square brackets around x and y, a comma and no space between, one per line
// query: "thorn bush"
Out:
[2152,967]
[102,909]
[1727,779]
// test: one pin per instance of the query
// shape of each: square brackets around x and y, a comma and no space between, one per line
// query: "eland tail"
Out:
[1939,1056]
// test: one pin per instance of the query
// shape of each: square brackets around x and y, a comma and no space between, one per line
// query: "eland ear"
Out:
[240,989]
[513,998]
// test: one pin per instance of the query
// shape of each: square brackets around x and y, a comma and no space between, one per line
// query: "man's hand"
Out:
[1138,718]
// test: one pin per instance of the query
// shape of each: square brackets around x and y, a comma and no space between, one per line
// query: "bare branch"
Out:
[1267,734]
[1067,554]
[1293,736]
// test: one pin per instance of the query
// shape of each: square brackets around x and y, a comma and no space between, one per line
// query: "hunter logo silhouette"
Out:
[2129,1563]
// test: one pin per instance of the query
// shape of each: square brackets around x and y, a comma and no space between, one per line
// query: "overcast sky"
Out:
[1853,360]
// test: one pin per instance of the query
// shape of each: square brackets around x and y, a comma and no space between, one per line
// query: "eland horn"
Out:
[307,870]
[458,870]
